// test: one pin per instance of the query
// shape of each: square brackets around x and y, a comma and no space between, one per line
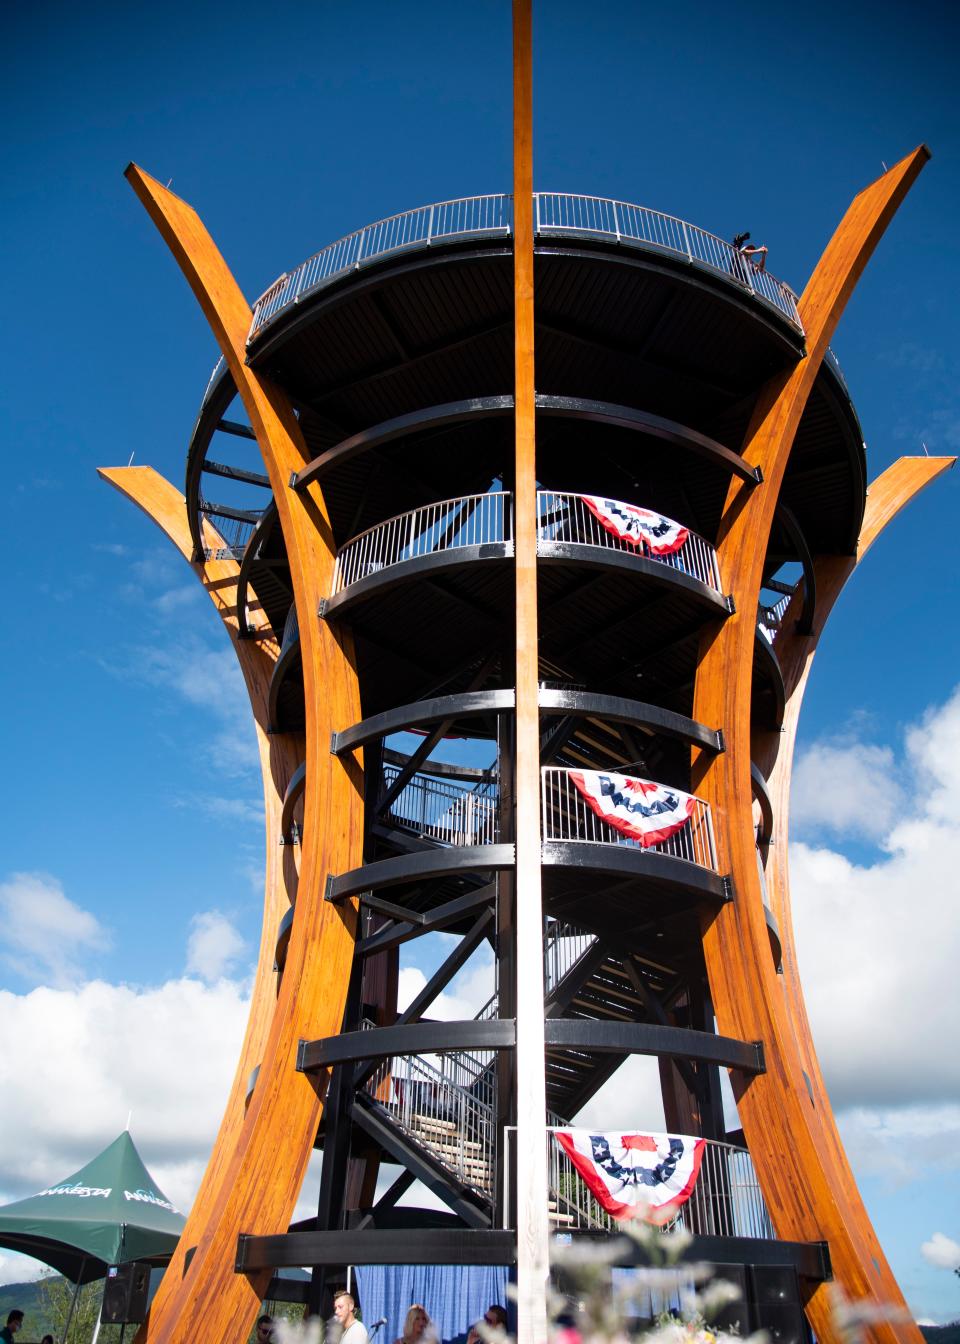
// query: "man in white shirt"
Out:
[344,1309]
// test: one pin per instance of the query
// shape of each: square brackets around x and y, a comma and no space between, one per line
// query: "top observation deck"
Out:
[555,214]
[395,346]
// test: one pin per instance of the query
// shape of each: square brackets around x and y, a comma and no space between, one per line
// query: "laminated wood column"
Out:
[802,1185]
[532,1216]
[279,753]
[263,1164]
[773,754]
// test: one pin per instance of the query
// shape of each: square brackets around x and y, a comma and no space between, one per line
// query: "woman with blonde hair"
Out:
[415,1326]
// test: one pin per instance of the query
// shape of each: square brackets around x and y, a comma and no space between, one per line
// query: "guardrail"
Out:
[236,532]
[476,520]
[567,817]
[445,1110]
[472,520]
[563,946]
[554,213]
[726,1200]
[769,618]
[566,517]
[446,813]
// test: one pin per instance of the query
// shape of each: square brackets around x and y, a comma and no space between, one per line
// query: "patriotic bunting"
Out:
[637,527]
[647,812]
[647,1176]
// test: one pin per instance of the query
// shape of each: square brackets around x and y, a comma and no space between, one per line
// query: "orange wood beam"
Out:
[803,1189]
[280,754]
[773,752]
[533,1231]
[263,1169]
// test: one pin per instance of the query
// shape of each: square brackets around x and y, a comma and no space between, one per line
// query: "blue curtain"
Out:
[454,1296]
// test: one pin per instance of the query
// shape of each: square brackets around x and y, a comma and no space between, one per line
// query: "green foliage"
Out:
[55,1298]
[280,1311]
[941,1334]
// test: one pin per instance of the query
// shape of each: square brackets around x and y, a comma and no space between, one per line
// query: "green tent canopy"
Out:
[108,1212]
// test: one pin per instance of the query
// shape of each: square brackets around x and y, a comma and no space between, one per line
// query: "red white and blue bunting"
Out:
[638,527]
[647,1176]
[647,812]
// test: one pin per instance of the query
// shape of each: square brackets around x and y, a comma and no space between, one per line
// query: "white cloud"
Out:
[223,809]
[878,945]
[45,935]
[899,1144]
[941,1251]
[844,789]
[19,1268]
[631,1099]
[96,1053]
[467,994]
[214,945]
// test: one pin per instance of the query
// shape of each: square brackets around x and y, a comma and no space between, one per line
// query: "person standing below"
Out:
[494,1318]
[264,1329]
[744,249]
[352,1330]
[14,1323]
[415,1326]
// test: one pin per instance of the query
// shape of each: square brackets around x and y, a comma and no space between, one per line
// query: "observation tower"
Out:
[572,480]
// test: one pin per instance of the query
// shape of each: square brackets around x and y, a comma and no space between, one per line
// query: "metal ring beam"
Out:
[259,534]
[794,531]
[435,710]
[216,401]
[413,1038]
[412,867]
[549,552]
[660,870]
[563,1033]
[415,422]
[771,663]
[484,408]
[290,655]
[456,558]
[295,788]
[643,422]
[604,557]
[421,1246]
[283,940]
[652,1038]
[579,704]
[762,795]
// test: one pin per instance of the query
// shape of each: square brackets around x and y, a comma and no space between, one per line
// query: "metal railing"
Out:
[726,1200]
[769,618]
[554,213]
[472,520]
[563,946]
[449,814]
[566,816]
[444,1109]
[236,532]
[565,517]
[476,520]
[560,212]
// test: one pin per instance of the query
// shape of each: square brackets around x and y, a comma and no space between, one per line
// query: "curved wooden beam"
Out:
[280,756]
[263,1168]
[897,487]
[783,1125]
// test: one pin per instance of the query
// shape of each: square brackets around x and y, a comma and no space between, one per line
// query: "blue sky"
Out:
[130,791]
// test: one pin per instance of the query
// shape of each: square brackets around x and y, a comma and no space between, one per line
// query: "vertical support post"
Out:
[532,1223]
